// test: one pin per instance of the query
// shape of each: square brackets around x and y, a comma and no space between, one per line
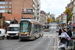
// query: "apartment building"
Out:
[21,8]
[52,16]
[5,6]
[43,17]
[72,6]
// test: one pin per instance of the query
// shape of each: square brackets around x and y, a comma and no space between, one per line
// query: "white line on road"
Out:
[49,44]
[36,45]
[21,46]
[50,40]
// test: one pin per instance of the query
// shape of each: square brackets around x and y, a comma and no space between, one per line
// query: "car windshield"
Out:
[13,29]
[46,27]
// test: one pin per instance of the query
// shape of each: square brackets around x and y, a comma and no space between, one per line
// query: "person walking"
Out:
[60,31]
[69,32]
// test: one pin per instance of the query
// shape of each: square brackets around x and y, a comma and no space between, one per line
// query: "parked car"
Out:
[2,33]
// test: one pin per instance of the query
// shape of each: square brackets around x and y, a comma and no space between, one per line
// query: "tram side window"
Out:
[38,28]
[41,28]
[35,28]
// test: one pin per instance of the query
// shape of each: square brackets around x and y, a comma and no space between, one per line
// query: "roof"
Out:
[14,25]
[7,22]
[32,21]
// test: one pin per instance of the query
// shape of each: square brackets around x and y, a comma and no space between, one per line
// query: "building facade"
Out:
[52,16]
[5,6]
[20,8]
[43,17]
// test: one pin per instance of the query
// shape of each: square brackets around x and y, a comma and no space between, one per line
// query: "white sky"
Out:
[54,6]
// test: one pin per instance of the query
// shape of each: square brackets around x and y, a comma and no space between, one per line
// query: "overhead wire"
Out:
[47,4]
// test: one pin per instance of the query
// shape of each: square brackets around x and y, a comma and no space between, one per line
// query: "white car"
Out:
[2,33]
[13,31]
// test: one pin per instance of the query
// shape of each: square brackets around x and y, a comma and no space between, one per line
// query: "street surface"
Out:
[47,42]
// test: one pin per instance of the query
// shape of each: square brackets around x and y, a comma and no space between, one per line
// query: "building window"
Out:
[9,10]
[9,2]
[9,6]
[2,6]
[6,6]
[29,10]
[6,2]
[2,11]
[2,2]
[6,10]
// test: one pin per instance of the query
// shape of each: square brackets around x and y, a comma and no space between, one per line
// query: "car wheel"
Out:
[3,37]
[7,37]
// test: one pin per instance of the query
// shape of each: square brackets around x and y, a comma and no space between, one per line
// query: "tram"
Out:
[46,27]
[30,29]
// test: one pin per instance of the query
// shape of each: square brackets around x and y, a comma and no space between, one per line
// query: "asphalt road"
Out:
[46,42]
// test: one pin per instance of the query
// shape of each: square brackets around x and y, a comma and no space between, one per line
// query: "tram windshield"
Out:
[46,27]
[24,26]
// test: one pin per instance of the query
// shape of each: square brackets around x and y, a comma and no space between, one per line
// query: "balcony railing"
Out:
[34,2]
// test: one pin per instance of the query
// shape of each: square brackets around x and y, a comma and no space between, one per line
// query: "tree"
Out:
[51,20]
[69,14]
[57,20]
[48,20]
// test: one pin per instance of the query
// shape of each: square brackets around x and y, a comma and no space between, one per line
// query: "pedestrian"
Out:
[64,34]
[60,31]
[69,32]
[65,29]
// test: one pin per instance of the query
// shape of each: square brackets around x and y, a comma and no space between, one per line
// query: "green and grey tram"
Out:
[30,29]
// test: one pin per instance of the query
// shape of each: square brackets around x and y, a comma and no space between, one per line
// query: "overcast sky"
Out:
[54,6]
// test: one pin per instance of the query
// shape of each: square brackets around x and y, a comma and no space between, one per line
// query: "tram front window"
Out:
[24,27]
[46,27]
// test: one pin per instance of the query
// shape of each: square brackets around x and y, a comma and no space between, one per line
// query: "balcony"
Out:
[34,6]
[34,2]
[27,11]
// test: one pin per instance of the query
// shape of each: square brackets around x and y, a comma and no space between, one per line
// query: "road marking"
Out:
[49,44]
[56,39]
[35,45]
[50,39]
[21,46]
